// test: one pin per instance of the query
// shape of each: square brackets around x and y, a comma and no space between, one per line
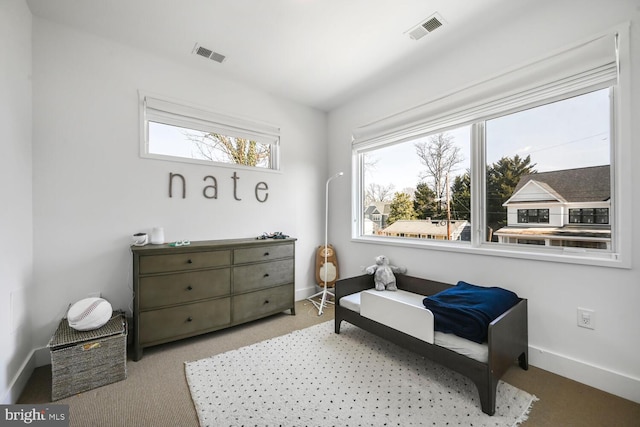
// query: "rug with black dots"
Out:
[313,377]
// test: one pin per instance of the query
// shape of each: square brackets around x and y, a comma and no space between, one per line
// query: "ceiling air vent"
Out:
[208,53]
[428,25]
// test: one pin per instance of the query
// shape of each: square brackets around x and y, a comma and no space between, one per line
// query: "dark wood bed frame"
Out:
[507,339]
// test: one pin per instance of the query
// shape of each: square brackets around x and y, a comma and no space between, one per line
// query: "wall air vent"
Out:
[426,26]
[208,53]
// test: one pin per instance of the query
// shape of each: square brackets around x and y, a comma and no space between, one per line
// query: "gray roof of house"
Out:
[575,185]
[378,207]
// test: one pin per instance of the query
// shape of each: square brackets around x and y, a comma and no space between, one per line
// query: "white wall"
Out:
[92,190]
[606,357]
[16,252]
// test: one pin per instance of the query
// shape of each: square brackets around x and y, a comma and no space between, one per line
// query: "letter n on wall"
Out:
[184,189]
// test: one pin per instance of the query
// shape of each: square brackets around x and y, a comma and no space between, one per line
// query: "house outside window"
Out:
[376,216]
[561,191]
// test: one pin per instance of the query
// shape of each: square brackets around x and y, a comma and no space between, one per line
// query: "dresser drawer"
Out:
[258,276]
[262,253]
[257,304]
[168,289]
[184,320]
[183,261]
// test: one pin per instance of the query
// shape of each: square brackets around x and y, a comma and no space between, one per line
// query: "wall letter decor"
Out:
[214,186]
[235,178]
[262,186]
[211,191]
[173,175]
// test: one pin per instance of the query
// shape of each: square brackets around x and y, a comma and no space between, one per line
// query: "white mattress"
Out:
[404,311]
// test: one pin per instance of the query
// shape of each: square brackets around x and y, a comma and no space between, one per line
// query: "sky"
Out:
[163,138]
[563,135]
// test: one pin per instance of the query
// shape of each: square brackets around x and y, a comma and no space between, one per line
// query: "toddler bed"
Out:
[402,318]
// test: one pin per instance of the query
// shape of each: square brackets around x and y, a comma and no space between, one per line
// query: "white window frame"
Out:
[595,63]
[161,109]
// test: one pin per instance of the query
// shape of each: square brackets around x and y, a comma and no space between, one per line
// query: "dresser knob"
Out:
[189,288]
[266,254]
[189,319]
[189,261]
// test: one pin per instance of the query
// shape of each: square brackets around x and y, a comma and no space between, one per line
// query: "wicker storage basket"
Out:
[84,360]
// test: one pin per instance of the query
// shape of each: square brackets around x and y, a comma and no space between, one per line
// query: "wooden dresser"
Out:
[208,285]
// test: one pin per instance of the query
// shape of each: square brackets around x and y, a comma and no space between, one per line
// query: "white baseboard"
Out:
[601,378]
[19,381]
[306,292]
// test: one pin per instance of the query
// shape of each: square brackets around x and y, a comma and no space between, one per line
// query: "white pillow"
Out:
[89,313]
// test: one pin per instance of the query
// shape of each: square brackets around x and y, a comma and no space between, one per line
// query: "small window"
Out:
[537,242]
[174,131]
[602,216]
[539,216]
[589,216]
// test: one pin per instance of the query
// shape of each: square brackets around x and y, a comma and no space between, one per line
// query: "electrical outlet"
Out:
[586,318]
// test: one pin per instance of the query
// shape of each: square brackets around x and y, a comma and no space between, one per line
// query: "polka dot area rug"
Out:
[314,377]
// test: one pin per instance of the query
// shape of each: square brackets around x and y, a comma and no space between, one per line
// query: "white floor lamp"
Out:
[323,272]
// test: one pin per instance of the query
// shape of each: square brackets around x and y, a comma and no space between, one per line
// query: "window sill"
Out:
[235,166]
[568,256]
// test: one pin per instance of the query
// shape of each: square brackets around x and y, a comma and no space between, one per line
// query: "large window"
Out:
[176,131]
[548,158]
[529,168]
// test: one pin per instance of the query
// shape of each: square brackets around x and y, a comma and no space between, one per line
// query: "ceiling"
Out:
[316,52]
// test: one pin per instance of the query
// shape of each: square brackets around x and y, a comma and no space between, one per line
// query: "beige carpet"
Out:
[314,377]
[156,394]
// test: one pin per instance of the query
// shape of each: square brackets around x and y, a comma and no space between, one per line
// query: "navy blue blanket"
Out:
[466,310]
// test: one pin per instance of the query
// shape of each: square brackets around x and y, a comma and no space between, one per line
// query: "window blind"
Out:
[589,65]
[176,114]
